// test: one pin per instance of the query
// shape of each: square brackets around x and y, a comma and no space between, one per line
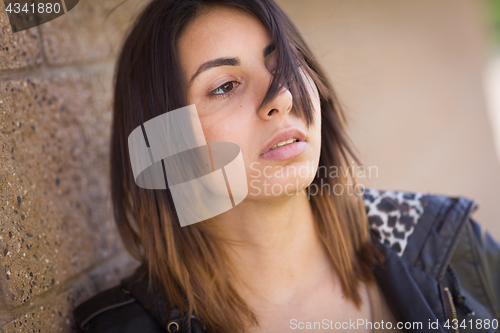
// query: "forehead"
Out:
[221,31]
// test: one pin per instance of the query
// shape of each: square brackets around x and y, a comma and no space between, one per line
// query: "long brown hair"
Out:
[188,263]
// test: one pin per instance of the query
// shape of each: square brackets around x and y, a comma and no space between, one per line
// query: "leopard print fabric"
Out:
[393,215]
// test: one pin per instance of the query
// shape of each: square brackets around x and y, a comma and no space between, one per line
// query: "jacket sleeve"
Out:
[488,252]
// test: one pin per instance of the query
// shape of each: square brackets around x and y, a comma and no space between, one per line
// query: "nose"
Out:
[279,106]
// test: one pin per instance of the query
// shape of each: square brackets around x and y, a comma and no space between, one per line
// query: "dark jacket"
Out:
[441,269]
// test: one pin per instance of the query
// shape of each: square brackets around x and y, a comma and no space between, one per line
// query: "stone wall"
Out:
[58,245]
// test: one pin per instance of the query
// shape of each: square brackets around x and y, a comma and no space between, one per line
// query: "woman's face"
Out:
[228,63]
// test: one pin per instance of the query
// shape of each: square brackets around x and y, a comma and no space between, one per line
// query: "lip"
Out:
[288,151]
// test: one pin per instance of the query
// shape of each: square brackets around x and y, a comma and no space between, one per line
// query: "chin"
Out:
[273,182]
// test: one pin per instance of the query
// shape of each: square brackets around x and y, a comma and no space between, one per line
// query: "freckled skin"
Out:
[235,117]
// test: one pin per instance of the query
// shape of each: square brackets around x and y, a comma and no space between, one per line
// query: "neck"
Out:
[278,247]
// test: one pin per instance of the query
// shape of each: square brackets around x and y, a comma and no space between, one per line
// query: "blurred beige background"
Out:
[411,75]
[416,77]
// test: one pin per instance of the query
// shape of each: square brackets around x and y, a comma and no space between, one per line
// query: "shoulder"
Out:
[114,310]
[432,232]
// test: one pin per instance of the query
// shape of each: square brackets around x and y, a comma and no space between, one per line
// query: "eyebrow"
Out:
[215,63]
[226,62]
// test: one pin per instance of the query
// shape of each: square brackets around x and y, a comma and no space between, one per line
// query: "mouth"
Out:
[284,145]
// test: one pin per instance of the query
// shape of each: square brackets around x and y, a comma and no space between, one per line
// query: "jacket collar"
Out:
[440,229]
[421,228]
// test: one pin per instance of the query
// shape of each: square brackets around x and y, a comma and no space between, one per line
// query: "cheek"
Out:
[317,124]
[313,92]
[235,130]
[315,134]
[220,128]
[215,127]
[315,129]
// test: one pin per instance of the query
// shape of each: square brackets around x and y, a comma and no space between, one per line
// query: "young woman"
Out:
[285,258]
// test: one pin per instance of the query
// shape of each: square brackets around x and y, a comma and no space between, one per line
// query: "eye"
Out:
[225,88]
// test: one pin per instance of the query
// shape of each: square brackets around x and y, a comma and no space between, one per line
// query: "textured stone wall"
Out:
[58,245]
